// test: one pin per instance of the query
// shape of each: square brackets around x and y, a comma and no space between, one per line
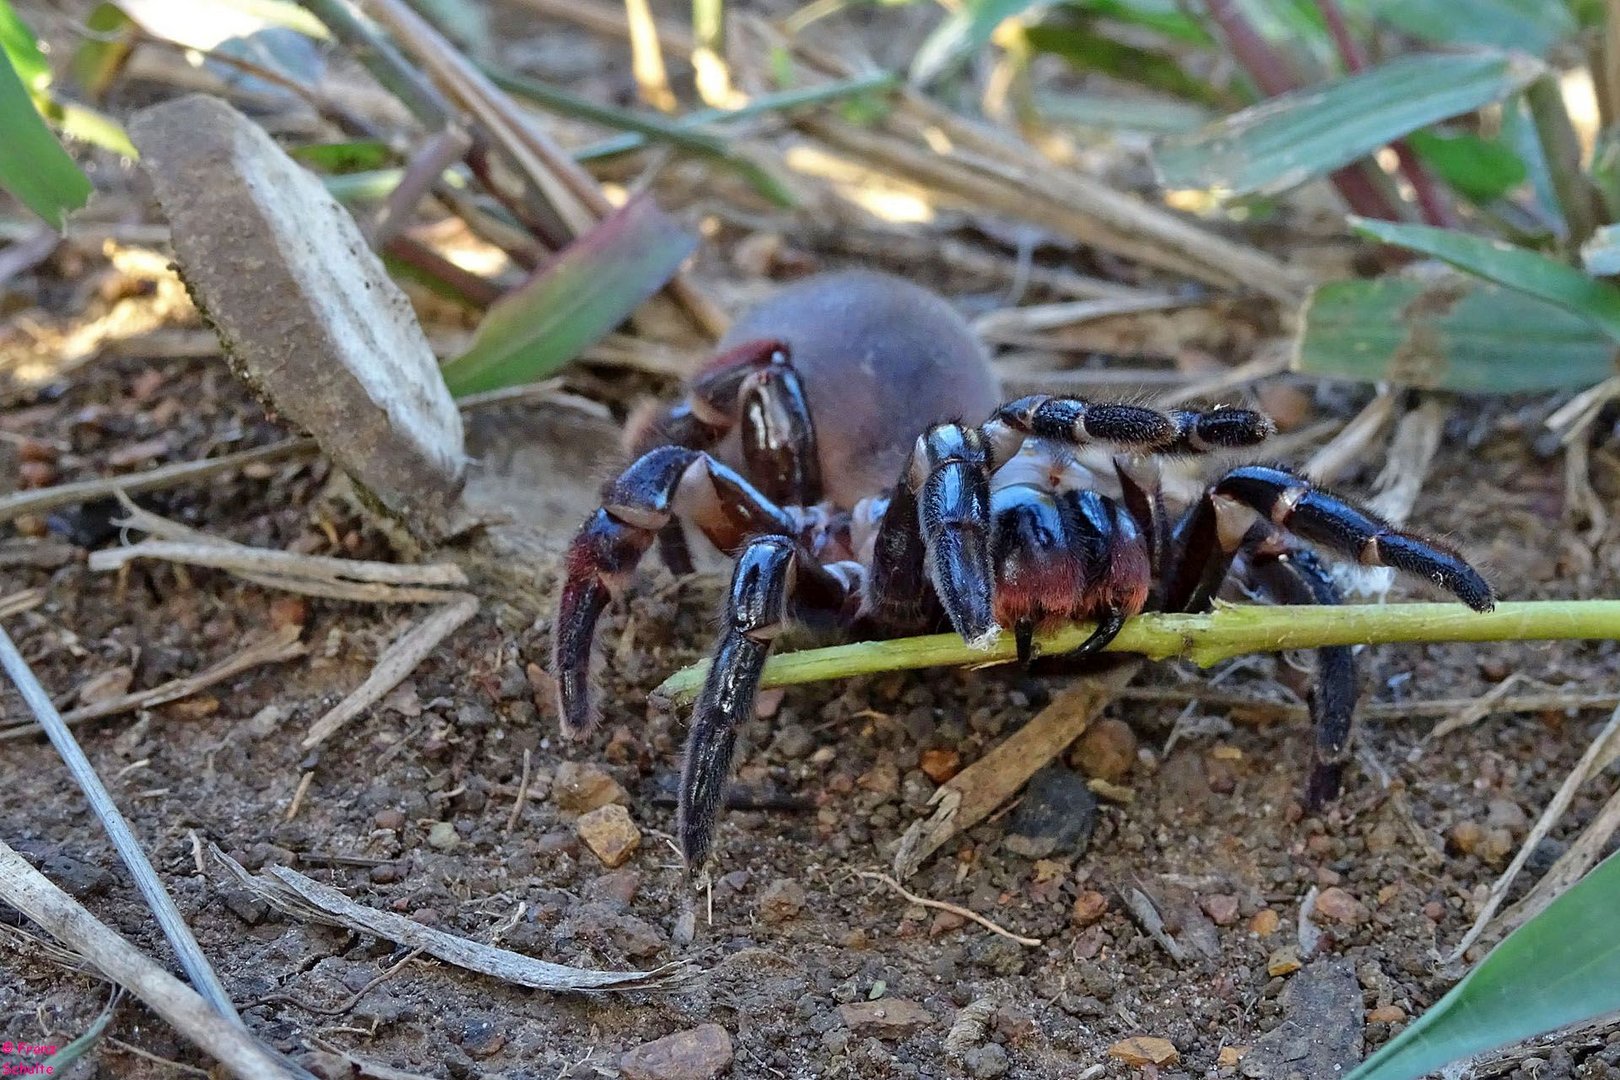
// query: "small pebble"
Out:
[1337,905]
[781,901]
[940,764]
[1465,837]
[1264,923]
[1106,751]
[1144,1050]
[390,819]
[793,741]
[610,834]
[700,1053]
[1089,906]
[987,1061]
[1230,1056]
[1057,815]
[482,1038]
[1222,908]
[443,836]
[1386,1014]
[1284,961]
[887,1018]
[580,788]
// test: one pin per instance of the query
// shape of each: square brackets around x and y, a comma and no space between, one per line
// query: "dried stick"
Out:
[954,909]
[275,648]
[298,896]
[30,892]
[970,796]
[123,840]
[237,557]
[396,662]
[165,476]
[1596,756]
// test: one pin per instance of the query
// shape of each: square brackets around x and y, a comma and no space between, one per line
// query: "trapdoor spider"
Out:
[784,455]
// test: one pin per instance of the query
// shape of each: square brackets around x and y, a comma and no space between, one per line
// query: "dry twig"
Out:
[398,661]
[954,909]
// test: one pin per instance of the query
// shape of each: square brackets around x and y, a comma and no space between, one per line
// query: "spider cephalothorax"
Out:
[825,451]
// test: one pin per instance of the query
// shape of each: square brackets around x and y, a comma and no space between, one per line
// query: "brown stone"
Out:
[1337,905]
[940,764]
[1106,751]
[781,901]
[1284,961]
[1264,923]
[610,834]
[1089,906]
[885,1018]
[582,787]
[701,1053]
[1230,1056]
[1144,1050]
[1386,1014]
[1222,908]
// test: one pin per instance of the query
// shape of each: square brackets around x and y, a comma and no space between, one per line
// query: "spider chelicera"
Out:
[825,451]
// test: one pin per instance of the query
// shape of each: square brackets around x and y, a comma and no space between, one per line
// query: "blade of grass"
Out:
[963,33]
[1558,969]
[591,287]
[33,165]
[1230,630]
[648,125]
[1457,333]
[761,105]
[1596,301]
[1307,133]
[1534,26]
[1478,168]
[1562,147]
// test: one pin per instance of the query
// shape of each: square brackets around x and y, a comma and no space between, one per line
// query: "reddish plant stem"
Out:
[1271,74]
[1431,202]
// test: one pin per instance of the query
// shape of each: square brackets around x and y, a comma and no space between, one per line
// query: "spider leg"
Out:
[774,580]
[1131,427]
[636,507]
[755,390]
[1297,576]
[1292,503]
[949,475]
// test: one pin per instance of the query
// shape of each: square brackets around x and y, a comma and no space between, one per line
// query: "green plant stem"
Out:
[1230,630]
[650,125]
[1562,148]
[763,105]
[384,62]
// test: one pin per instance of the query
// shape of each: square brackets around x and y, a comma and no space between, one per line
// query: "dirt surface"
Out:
[1213,837]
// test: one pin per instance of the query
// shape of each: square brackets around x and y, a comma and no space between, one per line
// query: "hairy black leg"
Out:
[1133,427]
[898,595]
[1292,503]
[1202,546]
[636,507]
[773,580]
[950,477]
[1297,576]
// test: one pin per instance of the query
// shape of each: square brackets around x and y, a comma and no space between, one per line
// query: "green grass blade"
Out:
[1534,26]
[33,165]
[1290,139]
[962,33]
[591,287]
[1478,168]
[1456,334]
[1090,51]
[20,45]
[1516,268]
[1560,968]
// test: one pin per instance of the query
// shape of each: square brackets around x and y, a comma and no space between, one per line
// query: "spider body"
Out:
[829,451]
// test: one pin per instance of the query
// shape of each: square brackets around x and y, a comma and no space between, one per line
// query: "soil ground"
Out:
[1214,835]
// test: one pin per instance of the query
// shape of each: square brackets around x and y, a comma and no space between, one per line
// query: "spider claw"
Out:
[1024,633]
[1108,627]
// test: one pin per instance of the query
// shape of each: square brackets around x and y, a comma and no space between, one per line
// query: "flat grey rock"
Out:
[305,310]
